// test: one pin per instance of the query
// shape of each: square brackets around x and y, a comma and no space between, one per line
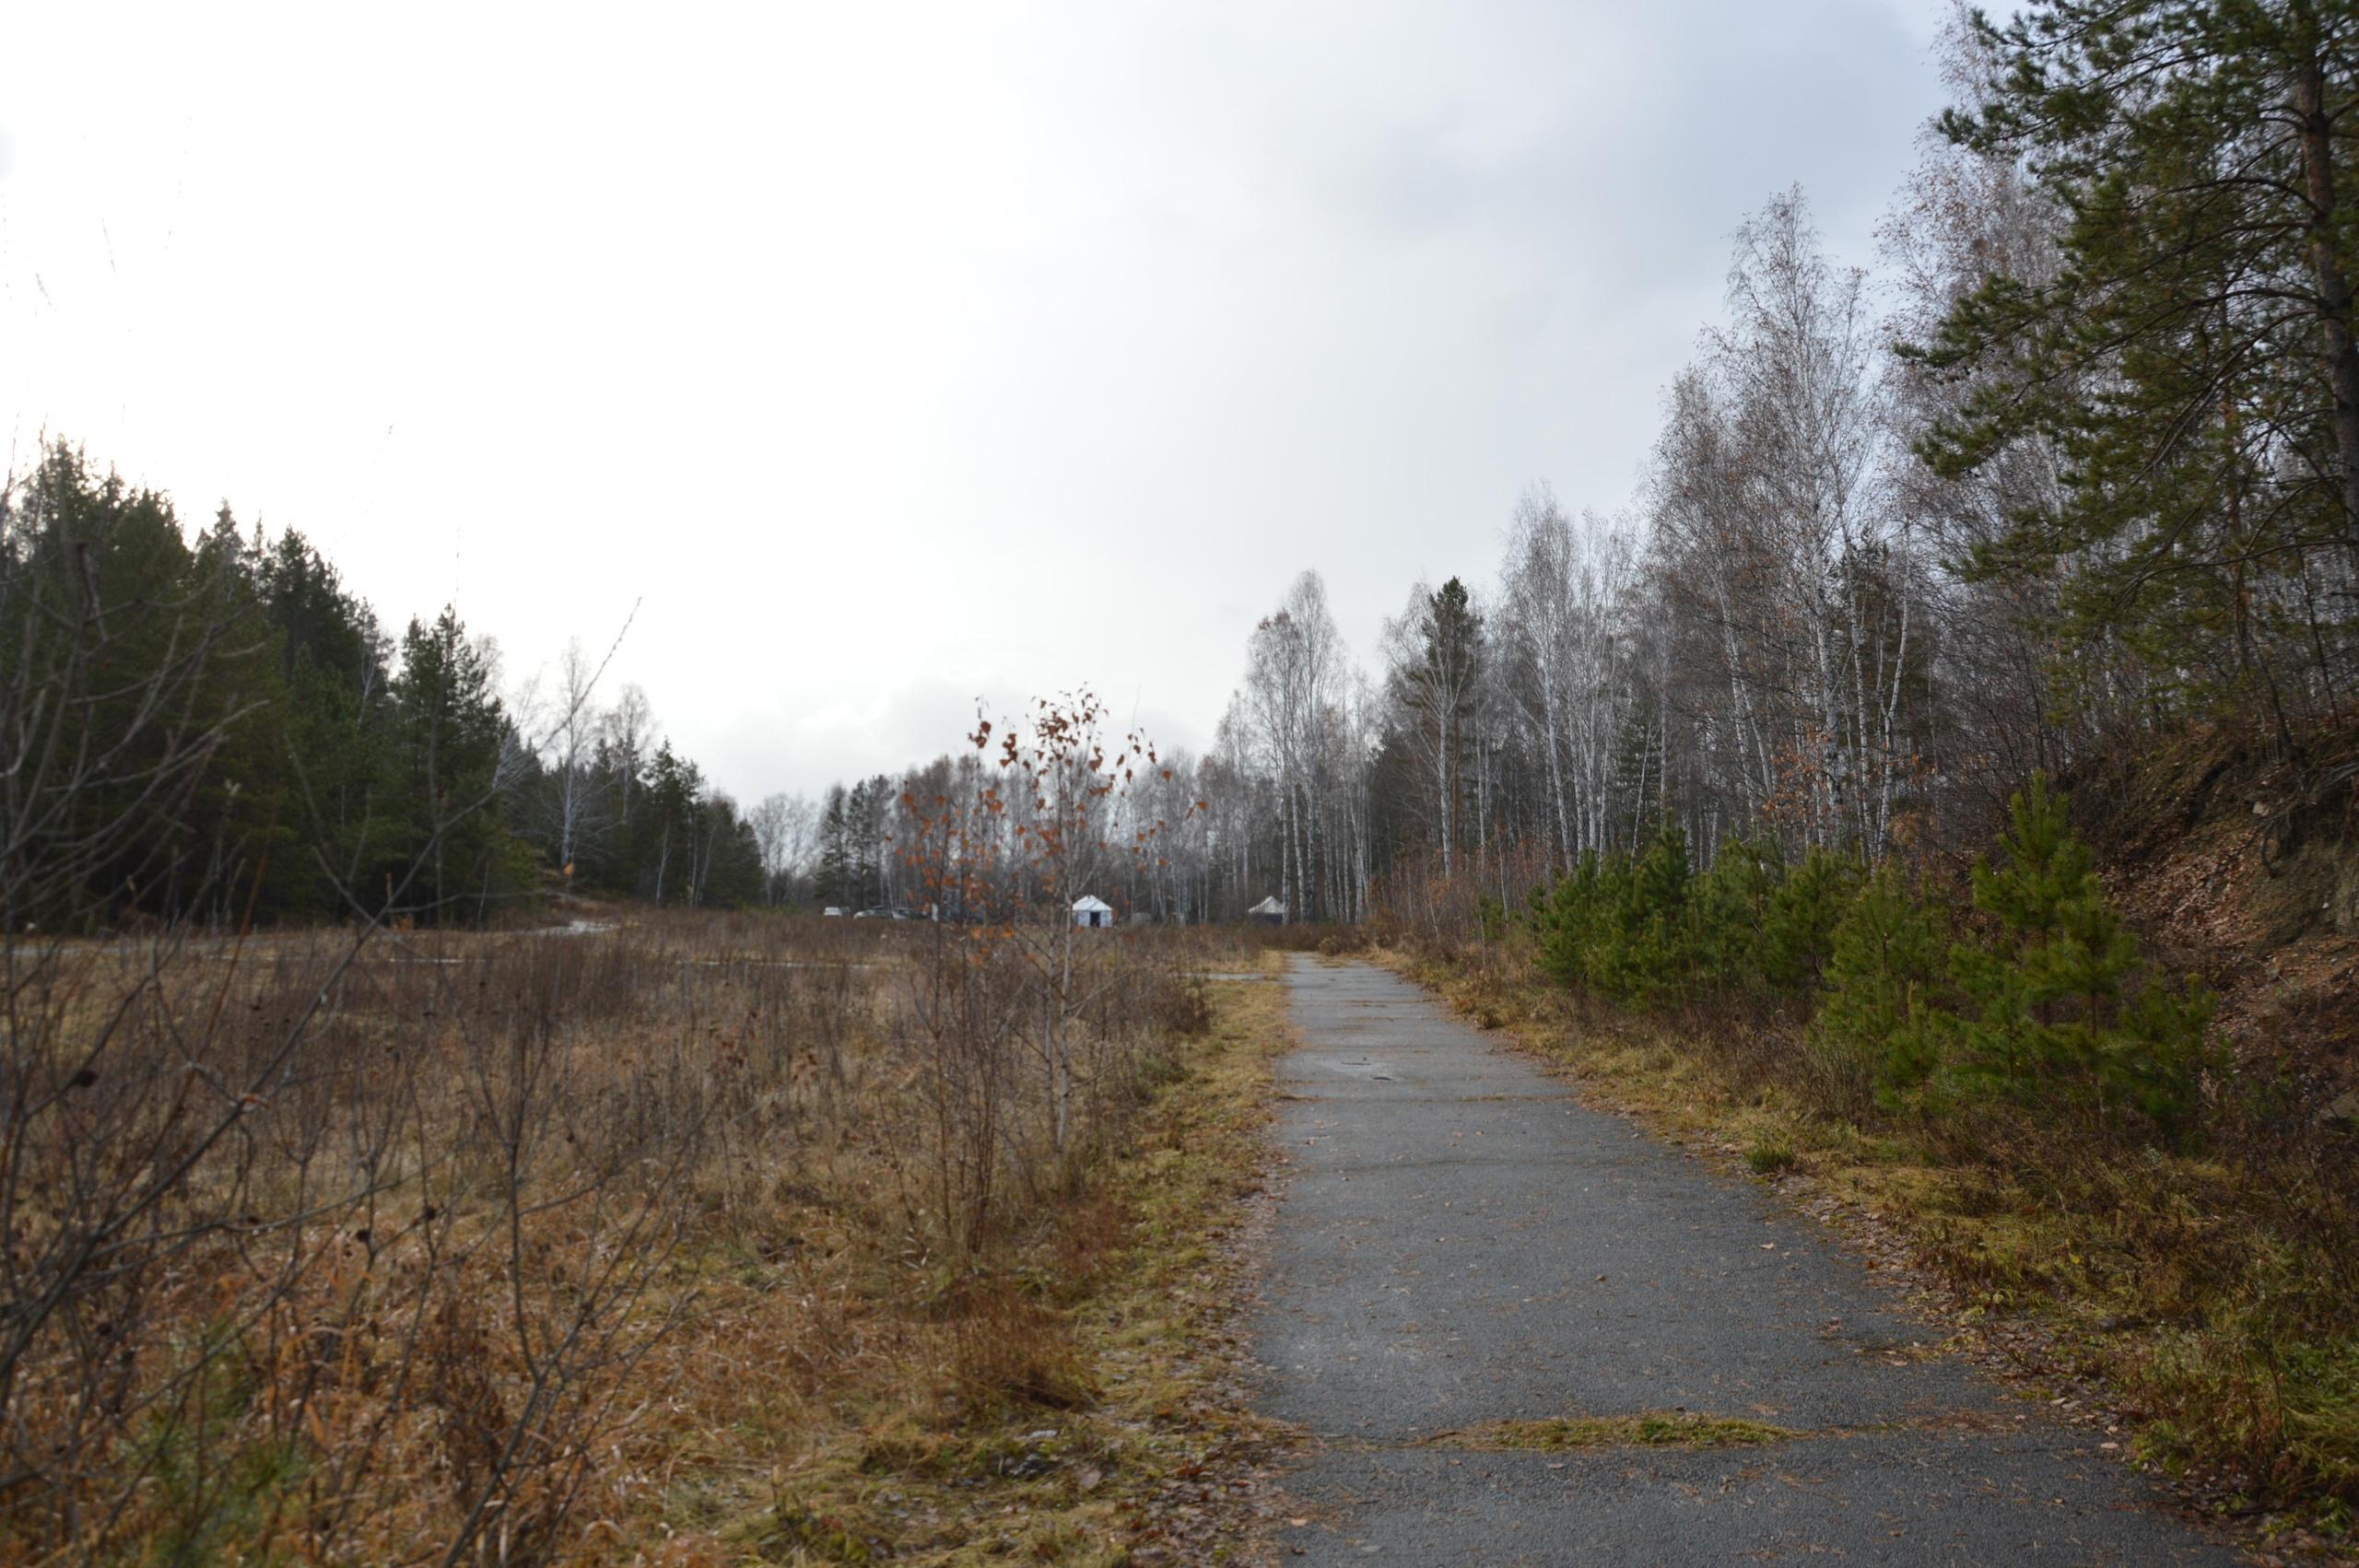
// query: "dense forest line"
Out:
[213,724]
[2073,466]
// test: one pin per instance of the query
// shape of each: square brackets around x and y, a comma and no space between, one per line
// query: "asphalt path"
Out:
[1458,1243]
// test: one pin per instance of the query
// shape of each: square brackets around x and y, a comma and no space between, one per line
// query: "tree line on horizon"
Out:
[2077,464]
[212,725]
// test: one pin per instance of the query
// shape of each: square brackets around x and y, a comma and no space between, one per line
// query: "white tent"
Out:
[1268,909]
[1091,910]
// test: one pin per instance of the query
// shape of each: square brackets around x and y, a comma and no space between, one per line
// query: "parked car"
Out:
[834,912]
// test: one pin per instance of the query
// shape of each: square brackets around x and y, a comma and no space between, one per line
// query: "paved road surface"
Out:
[1460,1243]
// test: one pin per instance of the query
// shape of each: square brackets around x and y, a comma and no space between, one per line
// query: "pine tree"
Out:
[1798,921]
[1730,908]
[2062,1010]
[1566,924]
[1439,692]
[1638,772]
[872,842]
[1875,1031]
[1660,951]
[1642,945]
[2193,359]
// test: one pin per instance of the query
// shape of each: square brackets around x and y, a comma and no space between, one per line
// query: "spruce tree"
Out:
[447,853]
[673,818]
[332,726]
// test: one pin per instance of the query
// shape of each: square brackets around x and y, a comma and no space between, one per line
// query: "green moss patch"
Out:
[1654,1429]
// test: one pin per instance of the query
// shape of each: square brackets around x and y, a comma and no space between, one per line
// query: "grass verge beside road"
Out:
[1107,1424]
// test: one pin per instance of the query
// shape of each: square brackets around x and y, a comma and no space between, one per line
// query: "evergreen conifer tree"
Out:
[1876,1031]
[1732,904]
[2193,359]
[448,844]
[1799,921]
[2062,1009]
[835,882]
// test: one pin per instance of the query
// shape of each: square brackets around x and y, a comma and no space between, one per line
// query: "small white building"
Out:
[1092,911]
[1270,911]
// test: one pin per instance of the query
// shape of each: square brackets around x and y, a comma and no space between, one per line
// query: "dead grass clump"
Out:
[1309,936]
[1086,1245]
[1182,1007]
[1009,1350]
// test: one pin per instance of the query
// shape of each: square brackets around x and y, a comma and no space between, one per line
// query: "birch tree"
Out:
[784,825]
[1293,673]
[1563,588]
[1774,527]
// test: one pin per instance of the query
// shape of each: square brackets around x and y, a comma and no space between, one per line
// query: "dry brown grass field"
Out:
[667,1238]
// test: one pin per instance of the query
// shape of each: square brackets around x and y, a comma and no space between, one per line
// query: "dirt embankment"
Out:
[2243,868]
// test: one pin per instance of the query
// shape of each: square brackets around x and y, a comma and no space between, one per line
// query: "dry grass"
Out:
[1080,1410]
[622,1244]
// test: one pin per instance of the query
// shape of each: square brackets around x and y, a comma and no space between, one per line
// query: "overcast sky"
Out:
[898,355]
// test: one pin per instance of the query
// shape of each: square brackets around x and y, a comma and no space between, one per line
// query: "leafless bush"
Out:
[290,1218]
[1031,1040]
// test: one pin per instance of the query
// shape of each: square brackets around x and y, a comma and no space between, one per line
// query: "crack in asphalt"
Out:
[1592,1270]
